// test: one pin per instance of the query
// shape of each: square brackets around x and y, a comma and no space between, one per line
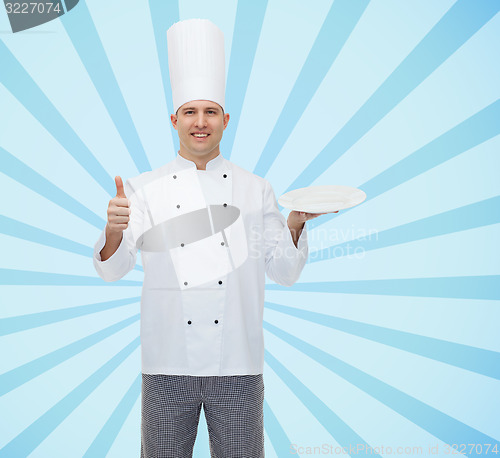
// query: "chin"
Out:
[201,152]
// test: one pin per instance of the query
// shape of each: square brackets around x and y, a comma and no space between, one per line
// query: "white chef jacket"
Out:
[207,238]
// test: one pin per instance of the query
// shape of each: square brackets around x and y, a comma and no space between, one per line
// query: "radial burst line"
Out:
[437,423]
[20,323]
[22,374]
[478,360]
[29,439]
[20,172]
[108,433]
[30,277]
[25,175]
[471,287]
[23,231]
[20,84]
[163,15]
[477,129]
[19,230]
[336,29]
[247,29]
[478,214]
[275,431]
[85,39]
[337,428]
[460,23]
[473,131]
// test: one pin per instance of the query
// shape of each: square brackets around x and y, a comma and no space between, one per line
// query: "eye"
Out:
[211,112]
[189,112]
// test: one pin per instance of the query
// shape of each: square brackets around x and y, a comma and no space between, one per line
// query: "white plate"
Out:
[322,199]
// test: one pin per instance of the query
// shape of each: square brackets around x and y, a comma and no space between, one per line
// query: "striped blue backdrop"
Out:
[389,343]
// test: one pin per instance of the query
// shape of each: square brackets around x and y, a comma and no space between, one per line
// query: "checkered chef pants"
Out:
[233,406]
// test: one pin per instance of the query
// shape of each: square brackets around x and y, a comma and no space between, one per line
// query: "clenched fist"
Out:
[118,210]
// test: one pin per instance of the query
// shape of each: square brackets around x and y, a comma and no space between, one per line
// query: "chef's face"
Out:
[200,124]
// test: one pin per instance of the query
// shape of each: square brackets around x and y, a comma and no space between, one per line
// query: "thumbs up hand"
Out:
[118,210]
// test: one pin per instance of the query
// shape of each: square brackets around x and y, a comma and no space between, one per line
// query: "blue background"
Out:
[391,336]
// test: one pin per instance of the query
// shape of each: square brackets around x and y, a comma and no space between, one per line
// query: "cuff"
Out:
[302,242]
[286,244]
[110,269]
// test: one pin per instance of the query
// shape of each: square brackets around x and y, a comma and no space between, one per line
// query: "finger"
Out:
[115,219]
[121,202]
[121,211]
[314,215]
[118,226]
[120,192]
[114,211]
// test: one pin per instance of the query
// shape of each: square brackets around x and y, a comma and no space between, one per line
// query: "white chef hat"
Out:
[196,62]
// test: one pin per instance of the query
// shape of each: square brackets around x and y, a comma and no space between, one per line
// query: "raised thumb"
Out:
[120,192]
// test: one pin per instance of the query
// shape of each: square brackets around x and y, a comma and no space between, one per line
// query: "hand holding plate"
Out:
[301,217]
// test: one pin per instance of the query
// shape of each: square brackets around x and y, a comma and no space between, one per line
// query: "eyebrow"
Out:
[194,108]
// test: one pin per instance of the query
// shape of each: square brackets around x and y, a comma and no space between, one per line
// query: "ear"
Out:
[173,120]
[226,119]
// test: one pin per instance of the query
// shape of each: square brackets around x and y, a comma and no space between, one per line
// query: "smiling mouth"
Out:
[200,135]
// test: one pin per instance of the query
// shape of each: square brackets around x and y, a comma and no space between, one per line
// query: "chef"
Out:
[208,232]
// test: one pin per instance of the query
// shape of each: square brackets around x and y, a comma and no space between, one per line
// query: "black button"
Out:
[216,321]
[220,282]
[185,283]
[175,176]
[178,206]
[225,176]
[225,205]
[222,243]
[182,244]
[189,322]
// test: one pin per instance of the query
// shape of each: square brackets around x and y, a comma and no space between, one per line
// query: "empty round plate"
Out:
[322,199]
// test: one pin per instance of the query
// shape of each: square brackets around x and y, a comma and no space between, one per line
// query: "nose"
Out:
[201,120]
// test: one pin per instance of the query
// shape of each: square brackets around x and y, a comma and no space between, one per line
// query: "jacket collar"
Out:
[215,164]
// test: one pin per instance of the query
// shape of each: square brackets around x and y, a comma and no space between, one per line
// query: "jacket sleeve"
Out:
[123,259]
[284,261]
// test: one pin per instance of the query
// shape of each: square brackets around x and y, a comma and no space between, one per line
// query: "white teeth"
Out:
[200,135]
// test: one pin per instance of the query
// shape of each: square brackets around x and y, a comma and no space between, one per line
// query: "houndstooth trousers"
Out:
[233,407]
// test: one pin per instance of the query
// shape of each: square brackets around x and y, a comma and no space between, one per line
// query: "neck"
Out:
[200,161]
